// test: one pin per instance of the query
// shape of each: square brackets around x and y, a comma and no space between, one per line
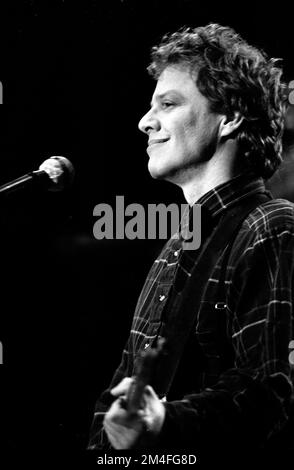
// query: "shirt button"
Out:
[161,297]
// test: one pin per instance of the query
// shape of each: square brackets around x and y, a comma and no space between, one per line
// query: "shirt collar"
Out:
[220,198]
[231,192]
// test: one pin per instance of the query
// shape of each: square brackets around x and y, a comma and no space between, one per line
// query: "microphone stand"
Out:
[38,176]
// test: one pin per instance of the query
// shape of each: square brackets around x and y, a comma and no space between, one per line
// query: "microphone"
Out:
[54,174]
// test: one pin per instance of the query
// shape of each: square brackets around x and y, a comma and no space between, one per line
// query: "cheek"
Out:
[190,134]
[186,131]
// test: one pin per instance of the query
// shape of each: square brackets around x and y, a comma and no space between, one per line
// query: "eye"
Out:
[167,104]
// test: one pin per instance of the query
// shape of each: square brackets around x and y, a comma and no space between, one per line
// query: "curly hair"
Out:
[233,76]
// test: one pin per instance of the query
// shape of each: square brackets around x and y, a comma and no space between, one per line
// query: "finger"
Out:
[114,435]
[113,428]
[117,414]
[155,411]
[122,437]
[122,387]
[117,410]
[149,393]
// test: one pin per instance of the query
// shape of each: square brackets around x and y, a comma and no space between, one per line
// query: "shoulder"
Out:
[273,216]
[270,225]
[265,239]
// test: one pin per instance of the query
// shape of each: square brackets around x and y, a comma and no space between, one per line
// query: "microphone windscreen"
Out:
[60,171]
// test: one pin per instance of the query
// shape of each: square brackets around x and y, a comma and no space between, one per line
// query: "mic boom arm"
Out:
[55,174]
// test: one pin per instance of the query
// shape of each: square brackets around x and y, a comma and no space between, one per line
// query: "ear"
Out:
[229,125]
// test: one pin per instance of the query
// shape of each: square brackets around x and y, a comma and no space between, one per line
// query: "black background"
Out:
[75,84]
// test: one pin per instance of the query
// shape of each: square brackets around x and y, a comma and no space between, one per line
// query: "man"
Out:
[214,128]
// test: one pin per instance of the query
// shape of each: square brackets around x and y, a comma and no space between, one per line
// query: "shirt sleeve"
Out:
[249,402]
[97,438]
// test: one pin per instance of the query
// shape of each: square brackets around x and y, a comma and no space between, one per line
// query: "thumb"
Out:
[122,387]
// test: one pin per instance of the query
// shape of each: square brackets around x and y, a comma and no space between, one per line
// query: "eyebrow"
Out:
[163,95]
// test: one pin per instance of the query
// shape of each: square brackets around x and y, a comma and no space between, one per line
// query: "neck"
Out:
[199,180]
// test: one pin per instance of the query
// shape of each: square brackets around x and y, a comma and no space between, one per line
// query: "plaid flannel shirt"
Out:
[246,403]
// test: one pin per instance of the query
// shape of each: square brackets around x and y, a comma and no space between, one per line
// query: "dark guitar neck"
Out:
[147,365]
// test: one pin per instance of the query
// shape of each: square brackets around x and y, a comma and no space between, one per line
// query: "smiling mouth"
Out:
[156,141]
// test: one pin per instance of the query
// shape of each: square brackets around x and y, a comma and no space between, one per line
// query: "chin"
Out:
[157,171]
[169,173]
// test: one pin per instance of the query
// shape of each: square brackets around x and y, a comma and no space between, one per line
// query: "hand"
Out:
[124,430]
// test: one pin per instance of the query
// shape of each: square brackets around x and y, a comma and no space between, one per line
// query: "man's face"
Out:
[182,130]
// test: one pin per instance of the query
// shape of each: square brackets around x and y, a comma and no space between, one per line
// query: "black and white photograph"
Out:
[147,234]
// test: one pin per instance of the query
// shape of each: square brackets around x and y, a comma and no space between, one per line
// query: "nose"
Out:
[149,122]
